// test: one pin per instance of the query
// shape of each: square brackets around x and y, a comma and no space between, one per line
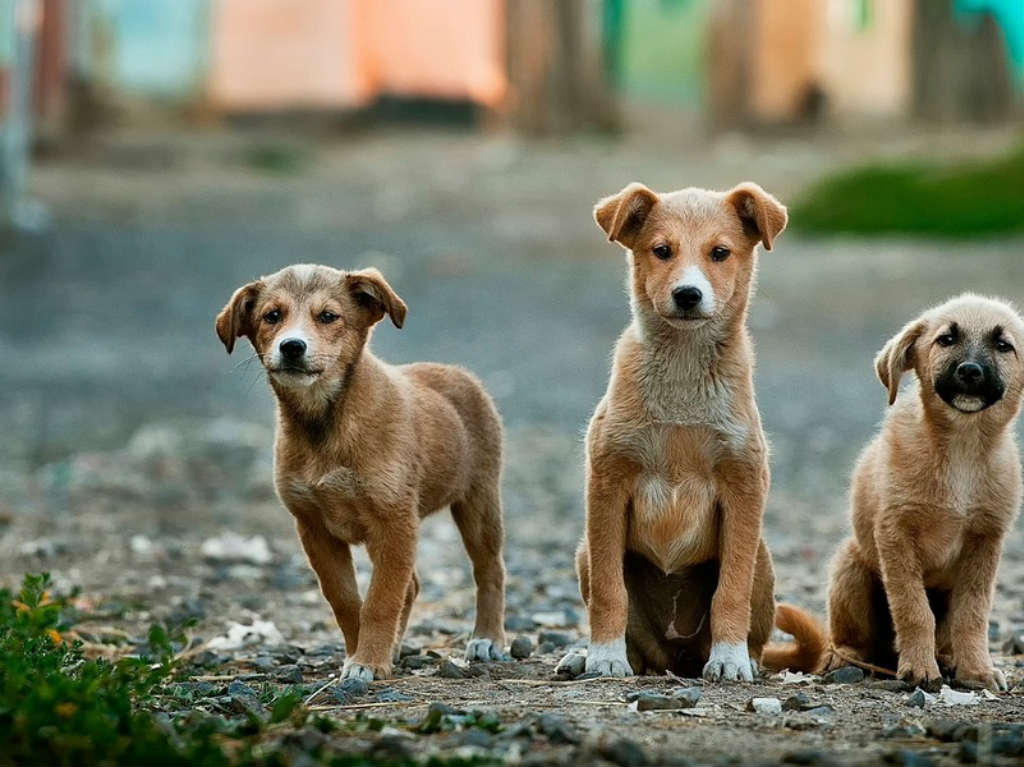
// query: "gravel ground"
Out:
[137,454]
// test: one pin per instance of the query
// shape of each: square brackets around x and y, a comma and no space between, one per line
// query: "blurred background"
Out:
[156,155]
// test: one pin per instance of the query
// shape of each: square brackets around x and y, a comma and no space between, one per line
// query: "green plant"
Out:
[966,199]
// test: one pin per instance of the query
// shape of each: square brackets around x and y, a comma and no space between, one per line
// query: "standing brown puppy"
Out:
[672,566]
[364,450]
[933,496]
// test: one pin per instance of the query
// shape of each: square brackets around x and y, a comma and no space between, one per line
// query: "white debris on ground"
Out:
[240,635]
[232,547]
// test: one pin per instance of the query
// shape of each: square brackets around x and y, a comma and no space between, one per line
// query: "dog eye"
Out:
[326,317]
[1003,346]
[664,252]
[272,317]
[720,253]
[946,339]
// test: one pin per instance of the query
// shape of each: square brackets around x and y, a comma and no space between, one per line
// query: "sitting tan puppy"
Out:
[933,496]
[672,567]
[364,450]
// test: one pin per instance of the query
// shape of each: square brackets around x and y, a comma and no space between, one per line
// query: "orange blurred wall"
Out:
[280,54]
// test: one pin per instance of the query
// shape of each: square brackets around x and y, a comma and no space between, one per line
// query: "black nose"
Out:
[969,372]
[293,348]
[687,296]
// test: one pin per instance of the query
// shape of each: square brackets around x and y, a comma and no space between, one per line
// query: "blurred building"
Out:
[541,65]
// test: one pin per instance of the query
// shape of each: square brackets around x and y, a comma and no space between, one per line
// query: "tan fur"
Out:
[364,450]
[677,464]
[933,496]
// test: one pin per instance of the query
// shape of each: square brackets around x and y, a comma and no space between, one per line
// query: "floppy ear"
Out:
[897,357]
[761,214]
[371,290]
[235,319]
[622,215]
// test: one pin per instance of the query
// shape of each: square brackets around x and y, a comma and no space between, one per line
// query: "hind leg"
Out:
[762,604]
[410,596]
[478,518]
[857,624]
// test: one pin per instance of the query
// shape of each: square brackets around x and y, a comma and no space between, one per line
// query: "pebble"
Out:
[348,690]
[845,675]
[891,685]
[625,753]
[1014,645]
[765,705]
[448,670]
[572,664]
[798,702]
[556,639]
[416,662]
[391,695]
[520,623]
[522,647]
[290,674]
[807,756]
[919,698]
[557,729]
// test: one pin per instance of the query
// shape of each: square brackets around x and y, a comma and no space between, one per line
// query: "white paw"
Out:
[357,671]
[730,662]
[481,648]
[608,659]
[572,663]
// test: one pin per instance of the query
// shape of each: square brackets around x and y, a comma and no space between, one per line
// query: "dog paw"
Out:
[481,648]
[923,673]
[730,663]
[355,670]
[572,664]
[608,659]
[988,678]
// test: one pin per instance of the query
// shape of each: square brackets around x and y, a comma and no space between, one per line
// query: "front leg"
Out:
[331,560]
[969,609]
[744,487]
[903,579]
[391,544]
[608,602]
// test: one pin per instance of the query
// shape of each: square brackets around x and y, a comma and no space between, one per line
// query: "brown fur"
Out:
[364,450]
[933,496]
[677,465]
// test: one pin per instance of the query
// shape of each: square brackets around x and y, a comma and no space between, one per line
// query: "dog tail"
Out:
[807,652]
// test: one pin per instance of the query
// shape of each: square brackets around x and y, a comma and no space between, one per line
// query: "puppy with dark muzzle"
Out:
[364,450]
[933,496]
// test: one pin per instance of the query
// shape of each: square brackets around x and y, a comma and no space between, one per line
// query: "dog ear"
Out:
[897,357]
[622,215]
[761,214]
[370,289]
[235,320]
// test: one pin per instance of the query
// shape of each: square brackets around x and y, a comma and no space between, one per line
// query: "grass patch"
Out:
[59,707]
[967,199]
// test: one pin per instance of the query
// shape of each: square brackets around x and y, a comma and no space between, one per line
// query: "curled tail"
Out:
[807,652]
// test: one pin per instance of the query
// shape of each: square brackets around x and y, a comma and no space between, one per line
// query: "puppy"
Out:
[933,496]
[672,567]
[364,450]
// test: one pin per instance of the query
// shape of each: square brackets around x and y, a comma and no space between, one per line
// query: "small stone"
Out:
[822,710]
[477,738]
[264,663]
[555,638]
[845,675]
[625,752]
[944,729]
[891,685]
[391,695]
[765,705]
[348,690]
[290,674]
[919,699]
[448,670]
[416,662]
[797,702]
[392,749]
[522,647]
[649,701]
[241,688]
[687,696]
[519,623]
[806,756]
[557,730]
[1014,645]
